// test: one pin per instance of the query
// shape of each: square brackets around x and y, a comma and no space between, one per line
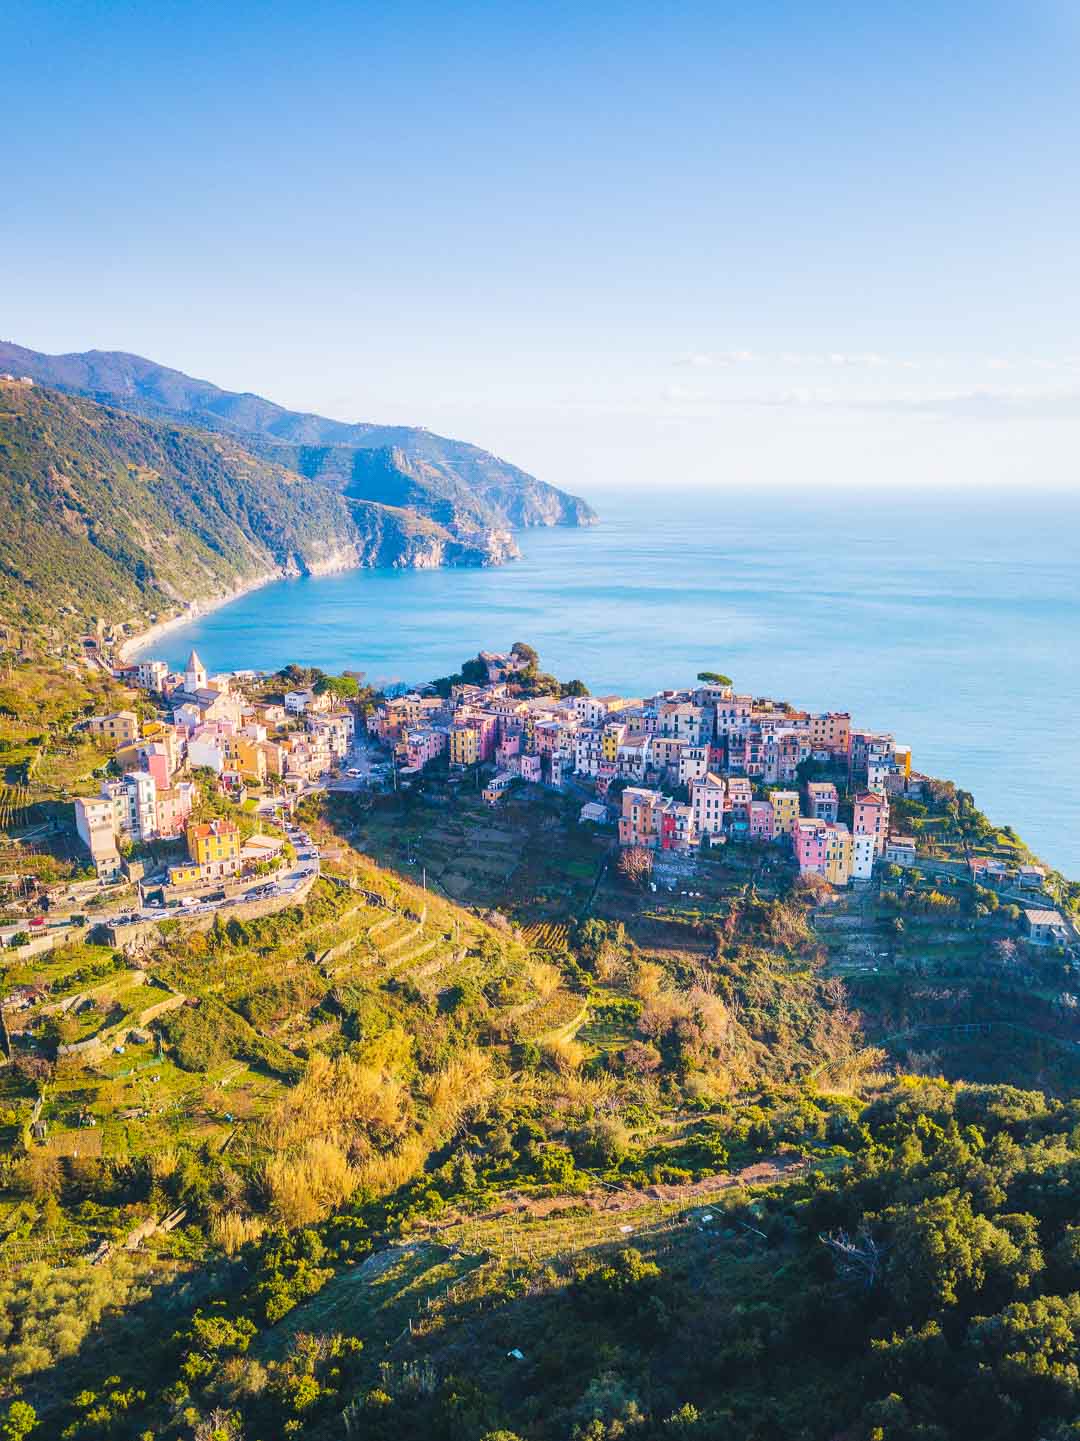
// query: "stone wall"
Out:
[141,934]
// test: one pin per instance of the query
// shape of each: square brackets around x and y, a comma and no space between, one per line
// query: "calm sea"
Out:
[951,620]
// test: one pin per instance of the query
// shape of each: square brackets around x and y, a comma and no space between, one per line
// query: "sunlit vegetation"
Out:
[331,1170]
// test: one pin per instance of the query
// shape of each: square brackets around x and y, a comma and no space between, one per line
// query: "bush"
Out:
[601,1144]
[624,1292]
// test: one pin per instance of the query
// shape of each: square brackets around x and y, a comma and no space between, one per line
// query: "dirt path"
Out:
[603,1201]
[759,1174]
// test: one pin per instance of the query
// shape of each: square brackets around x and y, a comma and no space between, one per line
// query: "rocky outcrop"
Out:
[398,537]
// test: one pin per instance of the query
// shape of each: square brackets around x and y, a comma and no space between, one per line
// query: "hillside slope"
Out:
[449,480]
[104,514]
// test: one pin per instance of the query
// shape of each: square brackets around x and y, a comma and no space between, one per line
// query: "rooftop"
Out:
[1044,918]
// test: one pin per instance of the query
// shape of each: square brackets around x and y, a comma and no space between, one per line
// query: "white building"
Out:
[207,751]
[862,857]
[693,764]
[151,674]
[587,752]
[95,821]
[194,674]
[497,787]
[303,702]
[141,791]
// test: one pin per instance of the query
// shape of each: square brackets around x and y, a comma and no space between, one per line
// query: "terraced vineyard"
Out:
[550,1159]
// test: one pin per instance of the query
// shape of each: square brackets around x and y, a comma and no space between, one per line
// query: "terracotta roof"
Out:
[220,827]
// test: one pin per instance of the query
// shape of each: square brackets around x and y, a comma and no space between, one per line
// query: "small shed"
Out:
[1046,928]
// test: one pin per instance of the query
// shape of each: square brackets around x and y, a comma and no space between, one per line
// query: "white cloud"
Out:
[707,359]
[711,359]
[985,404]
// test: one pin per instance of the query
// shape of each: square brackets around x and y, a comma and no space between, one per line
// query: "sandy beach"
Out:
[128,649]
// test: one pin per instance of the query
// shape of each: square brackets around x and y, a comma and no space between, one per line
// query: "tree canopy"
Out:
[345,687]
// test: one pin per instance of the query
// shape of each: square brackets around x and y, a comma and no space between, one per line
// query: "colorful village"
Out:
[698,767]
[206,724]
[677,773]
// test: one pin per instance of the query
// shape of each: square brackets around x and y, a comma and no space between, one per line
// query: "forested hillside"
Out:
[458,484]
[105,514]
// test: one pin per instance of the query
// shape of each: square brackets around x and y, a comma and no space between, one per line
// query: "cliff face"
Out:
[464,488]
[470,488]
[398,537]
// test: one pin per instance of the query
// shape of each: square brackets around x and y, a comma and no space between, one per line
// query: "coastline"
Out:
[339,561]
[336,564]
[128,647]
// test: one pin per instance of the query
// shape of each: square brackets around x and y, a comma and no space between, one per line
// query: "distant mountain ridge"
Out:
[463,487]
[109,516]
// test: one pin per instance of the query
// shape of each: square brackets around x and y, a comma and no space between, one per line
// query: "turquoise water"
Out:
[951,620]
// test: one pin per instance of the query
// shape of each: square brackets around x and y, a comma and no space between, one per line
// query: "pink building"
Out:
[708,798]
[155,760]
[872,819]
[530,768]
[174,808]
[781,754]
[423,745]
[810,839]
[831,731]
[761,820]
[549,736]
[732,712]
[507,751]
[606,772]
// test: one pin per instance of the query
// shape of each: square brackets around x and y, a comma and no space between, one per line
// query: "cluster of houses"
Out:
[211,726]
[699,766]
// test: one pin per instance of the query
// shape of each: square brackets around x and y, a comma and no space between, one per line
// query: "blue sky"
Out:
[633,244]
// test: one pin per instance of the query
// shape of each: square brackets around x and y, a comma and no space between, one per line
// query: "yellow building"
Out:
[186,874]
[785,806]
[247,757]
[117,729]
[610,741]
[214,846]
[838,854]
[273,757]
[464,746]
[127,757]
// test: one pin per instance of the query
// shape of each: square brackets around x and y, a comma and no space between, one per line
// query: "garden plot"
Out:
[378,1298]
